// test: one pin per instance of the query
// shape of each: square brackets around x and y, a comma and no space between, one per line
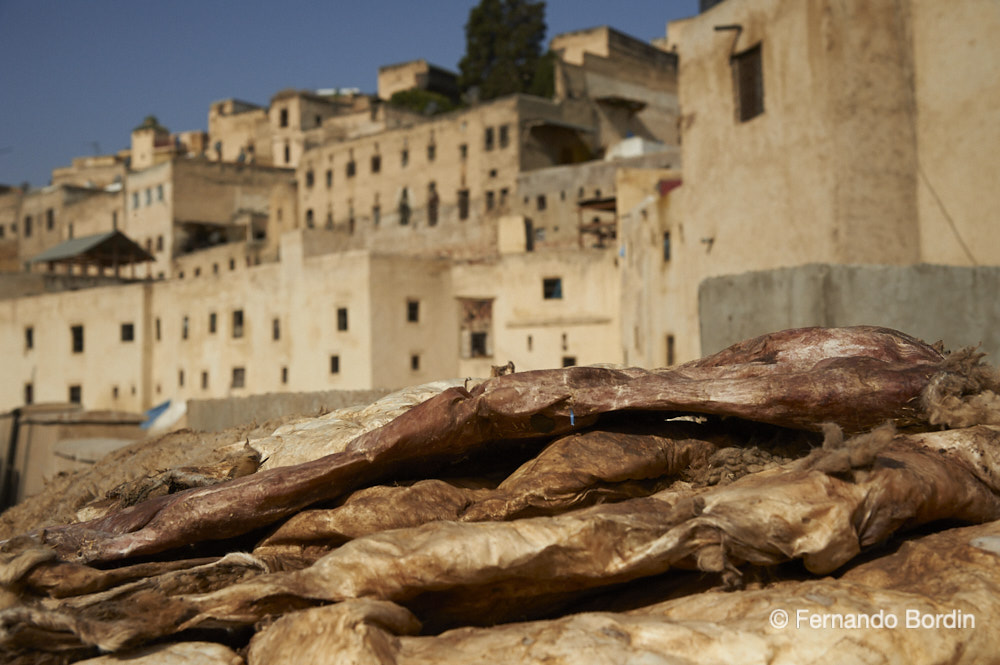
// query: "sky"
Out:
[76,76]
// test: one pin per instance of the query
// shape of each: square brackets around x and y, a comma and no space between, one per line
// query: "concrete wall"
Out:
[212,415]
[958,305]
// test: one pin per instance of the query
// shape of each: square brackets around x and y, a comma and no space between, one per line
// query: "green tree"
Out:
[422,101]
[503,47]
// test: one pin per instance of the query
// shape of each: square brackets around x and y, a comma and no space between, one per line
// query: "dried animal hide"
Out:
[953,575]
[822,510]
[787,379]
[572,472]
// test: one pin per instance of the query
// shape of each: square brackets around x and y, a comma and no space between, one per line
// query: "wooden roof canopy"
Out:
[107,250]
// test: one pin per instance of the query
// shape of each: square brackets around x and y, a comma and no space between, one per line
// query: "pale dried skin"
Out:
[468,573]
[180,653]
[776,381]
[934,574]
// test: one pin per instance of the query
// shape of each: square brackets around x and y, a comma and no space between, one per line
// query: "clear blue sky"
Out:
[76,72]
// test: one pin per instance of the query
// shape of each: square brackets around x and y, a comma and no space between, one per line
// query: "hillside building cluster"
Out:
[334,240]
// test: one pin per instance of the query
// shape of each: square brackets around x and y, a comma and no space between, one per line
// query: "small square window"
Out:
[310,178]
[666,245]
[212,322]
[413,311]
[284,375]
[159,243]
[352,168]
[276,329]
[504,136]
[463,204]
[490,200]
[568,361]
[29,338]
[77,333]
[204,380]
[748,81]
[415,362]
[159,192]
[238,323]
[128,332]
[114,392]
[159,329]
[463,151]
[334,364]
[478,345]
[185,326]
[239,377]
[342,318]
[283,118]
[180,378]
[540,202]
[76,394]
[488,139]
[431,152]
[29,393]
[232,264]
[376,163]
[552,288]
[50,219]
[404,158]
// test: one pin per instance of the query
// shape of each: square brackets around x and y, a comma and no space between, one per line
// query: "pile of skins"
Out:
[812,495]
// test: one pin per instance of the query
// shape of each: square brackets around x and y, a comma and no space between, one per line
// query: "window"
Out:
[568,361]
[463,151]
[329,178]
[27,226]
[318,119]
[128,332]
[76,394]
[114,392]
[414,362]
[334,364]
[197,271]
[204,380]
[404,208]
[504,136]
[504,193]
[540,202]
[180,378]
[159,243]
[376,214]
[232,264]
[215,268]
[552,288]
[413,311]
[432,204]
[463,204]
[159,192]
[77,333]
[239,377]
[237,323]
[431,152]
[114,219]
[283,118]
[530,342]
[276,329]
[310,221]
[351,168]
[376,163]
[310,178]
[288,153]
[29,393]
[341,318]
[135,200]
[149,196]
[666,245]
[477,342]
[284,375]
[29,338]
[565,342]
[212,322]
[671,356]
[488,139]
[50,219]
[490,200]
[158,329]
[185,325]
[748,81]
[404,158]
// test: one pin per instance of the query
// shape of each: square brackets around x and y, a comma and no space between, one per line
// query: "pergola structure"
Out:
[111,249]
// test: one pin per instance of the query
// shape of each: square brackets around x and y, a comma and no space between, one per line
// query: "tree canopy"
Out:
[504,52]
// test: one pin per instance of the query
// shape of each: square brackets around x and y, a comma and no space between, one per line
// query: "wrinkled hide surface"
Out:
[577,515]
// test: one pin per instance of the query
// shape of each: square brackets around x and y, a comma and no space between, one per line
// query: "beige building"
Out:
[814,134]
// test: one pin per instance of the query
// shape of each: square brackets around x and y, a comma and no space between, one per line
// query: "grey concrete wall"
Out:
[212,415]
[958,305]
